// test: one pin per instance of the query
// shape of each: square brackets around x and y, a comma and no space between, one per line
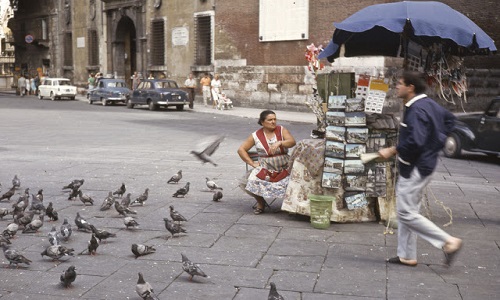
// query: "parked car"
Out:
[158,93]
[56,88]
[109,91]
[476,132]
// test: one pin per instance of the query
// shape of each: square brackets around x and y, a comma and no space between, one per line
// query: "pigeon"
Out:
[130,222]
[141,250]
[39,195]
[142,198]
[26,219]
[108,201]
[34,225]
[14,257]
[176,216]
[102,234]
[77,183]
[182,191]
[3,212]
[65,230]
[74,193]
[123,210]
[217,196]
[82,224]
[126,201]
[120,191]
[26,196]
[85,198]
[176,177]
[11,230]
[144,289]
[51,212]
[93,244]
[21,204]
[54,238]
[57,251]
[273,293]
[4,240]
[68,277]
[36,204]
[173,228]
[212,185]
[16,183]
[191,268]
[7,195]
[205,154]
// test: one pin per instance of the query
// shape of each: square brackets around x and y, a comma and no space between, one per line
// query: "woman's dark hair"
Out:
[417,79]
[264,114]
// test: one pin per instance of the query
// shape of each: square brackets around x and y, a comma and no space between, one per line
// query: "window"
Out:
[158,42]
[291,23]
[203,38]
[68,49]
[93,48]
[45,30]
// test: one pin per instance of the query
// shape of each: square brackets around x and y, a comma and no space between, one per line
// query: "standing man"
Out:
[205,86]
[135,80]
[422,133]
[190,85]
[21,85]
[91,81]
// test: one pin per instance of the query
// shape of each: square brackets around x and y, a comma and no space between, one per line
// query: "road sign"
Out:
[29,39]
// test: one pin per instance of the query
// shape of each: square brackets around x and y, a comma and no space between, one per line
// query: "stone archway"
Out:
[125,49]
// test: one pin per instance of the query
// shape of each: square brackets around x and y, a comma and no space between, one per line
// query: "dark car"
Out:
[109,91]
[158,93]
[476,132]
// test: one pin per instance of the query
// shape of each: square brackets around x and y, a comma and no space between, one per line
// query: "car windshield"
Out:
[116,84]
[165,84]
[64,82]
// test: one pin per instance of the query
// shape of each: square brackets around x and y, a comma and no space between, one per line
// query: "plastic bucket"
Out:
[321,210]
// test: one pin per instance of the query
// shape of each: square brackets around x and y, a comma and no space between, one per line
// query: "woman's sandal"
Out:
[258,211]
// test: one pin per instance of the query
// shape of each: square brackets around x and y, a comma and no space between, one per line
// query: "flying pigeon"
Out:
[102,234]
[14,257]
[7,195]
[212,185]
[68,276]
[123,210]
[182,191]
[54,238]
[82,224]
[3,212]
[191,268]
[176,216]
[108,202]
[77,183]
[205,154]
[74,193]
[140,250]
[93,244]
[126,201]
[176,177]
[85,198]
[16,183]
[142,198]
[217,196]
[273,293]
[65,230]
[130,222]
[144,289]
[173,228]
[34,225]
[51,212]
[57,251]
[11,230]
[120,191]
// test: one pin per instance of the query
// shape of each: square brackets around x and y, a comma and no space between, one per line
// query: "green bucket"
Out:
[321,210]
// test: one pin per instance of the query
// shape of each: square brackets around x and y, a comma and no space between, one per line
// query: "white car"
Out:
[56,88]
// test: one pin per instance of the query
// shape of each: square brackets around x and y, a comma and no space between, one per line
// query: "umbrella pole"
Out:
[405,41]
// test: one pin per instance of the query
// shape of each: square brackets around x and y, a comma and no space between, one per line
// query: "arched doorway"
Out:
[125,49]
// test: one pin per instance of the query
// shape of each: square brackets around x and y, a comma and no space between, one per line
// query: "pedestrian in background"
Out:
[151,76]
[422,134]
[205,87]
[34,85]
[21,85]
[91,81]
[190,85]
[216,86]
[135,80]
[28,85]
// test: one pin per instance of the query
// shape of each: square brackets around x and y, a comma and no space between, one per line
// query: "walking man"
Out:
[422,133]
[190,85]
[21,85]
[206,88]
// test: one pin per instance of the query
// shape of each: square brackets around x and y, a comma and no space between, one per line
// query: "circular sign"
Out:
[29,39]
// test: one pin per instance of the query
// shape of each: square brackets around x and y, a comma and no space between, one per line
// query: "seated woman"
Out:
[269,178]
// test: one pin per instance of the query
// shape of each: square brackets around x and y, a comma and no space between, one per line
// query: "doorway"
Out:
[125,50]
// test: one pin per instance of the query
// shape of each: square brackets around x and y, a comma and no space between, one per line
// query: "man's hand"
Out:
[387,152]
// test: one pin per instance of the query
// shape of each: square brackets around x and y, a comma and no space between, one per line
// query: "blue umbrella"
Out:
[386,29]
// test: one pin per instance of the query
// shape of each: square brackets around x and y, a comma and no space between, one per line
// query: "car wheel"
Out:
[130,104]
[104,102]
[152,105]
[52,96]
[90,101]
[40,96]
[71,98]
[179,107]
[452,146]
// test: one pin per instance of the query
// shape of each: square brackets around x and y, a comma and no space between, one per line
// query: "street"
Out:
[50,143]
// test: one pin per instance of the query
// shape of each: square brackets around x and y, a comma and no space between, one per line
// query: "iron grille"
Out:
[158,43]
[93,48]
[203,30]
[68,49]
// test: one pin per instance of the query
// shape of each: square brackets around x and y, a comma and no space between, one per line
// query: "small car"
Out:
[56,88]
[476,132]
[109,91]
[158,93]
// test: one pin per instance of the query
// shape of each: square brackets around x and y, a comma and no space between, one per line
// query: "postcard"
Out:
[335,133]
[354,150]
[334,149]
[335,118]
[331,180]
[336,102]
[333,165]
[355,135]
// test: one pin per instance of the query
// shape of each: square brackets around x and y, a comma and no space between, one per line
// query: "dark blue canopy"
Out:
[381,29]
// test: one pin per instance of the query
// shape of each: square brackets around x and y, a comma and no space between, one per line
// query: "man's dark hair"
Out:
[264,114]
[416,79]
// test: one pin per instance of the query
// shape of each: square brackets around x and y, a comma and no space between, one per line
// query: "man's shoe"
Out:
[449,257]
[397,260]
